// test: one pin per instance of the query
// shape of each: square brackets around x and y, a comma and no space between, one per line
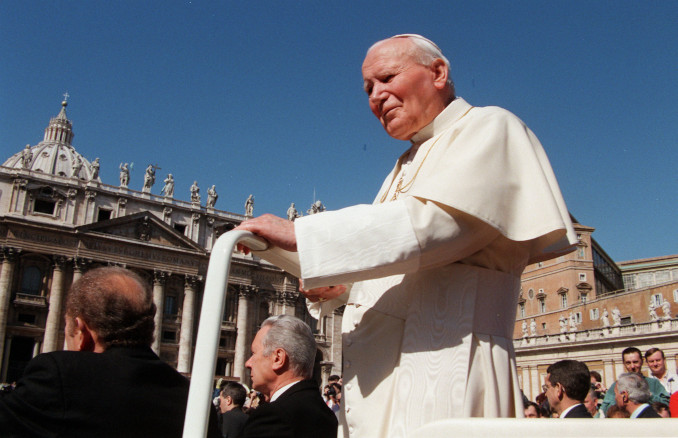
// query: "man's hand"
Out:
[321,294]
[277,231]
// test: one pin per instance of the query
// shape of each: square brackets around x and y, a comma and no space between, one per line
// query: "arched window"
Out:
[31,281]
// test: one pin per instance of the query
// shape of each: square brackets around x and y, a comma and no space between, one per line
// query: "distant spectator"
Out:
[657,362]
[567,384]
[591,402]
[532,410]
[615,411]
[231,401]
[597,383]
[662,409]
[632,394]
[633,363]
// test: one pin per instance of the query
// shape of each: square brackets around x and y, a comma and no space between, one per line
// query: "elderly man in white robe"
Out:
[430,273]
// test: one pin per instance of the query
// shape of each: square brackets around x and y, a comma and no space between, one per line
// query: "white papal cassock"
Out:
[436,272]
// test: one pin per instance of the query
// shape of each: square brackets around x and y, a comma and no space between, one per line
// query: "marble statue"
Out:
[195,193]
[666,309]
[616,317]
[573,322]
[606,318]
[533,327]
[563,324]
[652,308]
[149,178]
[292,212]
[211,197]
[124,174]
[26,157]
[524,329]
[168,188]
[249,206]
[316,207]
[75,168]
[94,169]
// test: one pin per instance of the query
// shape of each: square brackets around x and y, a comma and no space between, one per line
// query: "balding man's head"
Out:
[114,303]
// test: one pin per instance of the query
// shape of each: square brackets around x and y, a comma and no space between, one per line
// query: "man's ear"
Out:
[280,360]
[560,391]
[85,338]
[440,73]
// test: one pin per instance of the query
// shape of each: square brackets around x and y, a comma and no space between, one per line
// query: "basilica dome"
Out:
[54,154]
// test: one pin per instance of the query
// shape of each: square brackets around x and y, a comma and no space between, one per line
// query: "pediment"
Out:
[141,227]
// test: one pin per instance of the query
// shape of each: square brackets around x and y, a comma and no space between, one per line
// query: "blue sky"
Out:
[265,97]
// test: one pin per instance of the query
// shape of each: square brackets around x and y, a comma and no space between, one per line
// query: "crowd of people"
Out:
[570,390]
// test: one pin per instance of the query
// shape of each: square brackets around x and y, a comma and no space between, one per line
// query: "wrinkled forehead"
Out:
[396,51]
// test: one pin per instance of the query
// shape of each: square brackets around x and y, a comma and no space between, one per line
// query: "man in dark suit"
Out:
[231,400]
[632,394]
[109,383]
[281,366]
[567,383]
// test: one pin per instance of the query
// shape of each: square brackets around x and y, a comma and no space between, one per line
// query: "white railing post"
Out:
[209,329]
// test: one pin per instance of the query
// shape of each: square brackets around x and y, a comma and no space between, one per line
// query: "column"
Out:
[36,347]
[288,301]
[55,300]
[159,280]
[186,336]
[5,358]
[80,265]
[242,325]
[9,256]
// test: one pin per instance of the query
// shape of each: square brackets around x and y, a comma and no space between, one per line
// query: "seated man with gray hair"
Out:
[281,367]
[632,394]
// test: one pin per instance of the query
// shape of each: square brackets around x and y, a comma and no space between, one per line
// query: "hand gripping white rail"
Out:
[209,329]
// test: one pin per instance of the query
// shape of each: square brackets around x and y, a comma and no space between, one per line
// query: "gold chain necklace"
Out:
[400,188]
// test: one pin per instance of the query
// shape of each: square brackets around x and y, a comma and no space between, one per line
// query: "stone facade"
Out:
[58,219]
[580,306]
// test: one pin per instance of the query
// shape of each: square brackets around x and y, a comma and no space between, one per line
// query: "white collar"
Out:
[452,112]
[280,391]
[639,410]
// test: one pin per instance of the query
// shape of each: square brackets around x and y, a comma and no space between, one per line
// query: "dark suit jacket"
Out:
[578,411]
[122,392]
[299,412]
[648,412]
[233,423]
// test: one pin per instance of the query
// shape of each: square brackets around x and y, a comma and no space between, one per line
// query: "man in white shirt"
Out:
[430,273]
[281,367]
[657,362]
[632,394]
[567,384]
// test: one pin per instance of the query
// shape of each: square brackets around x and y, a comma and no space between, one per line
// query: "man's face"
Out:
[619,398]
[531,412]
[400,90]
[223,405]
[633,362]
[260,366]
[591,403]
[657,364]
[550,392]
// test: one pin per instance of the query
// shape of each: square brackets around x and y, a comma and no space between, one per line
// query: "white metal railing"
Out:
[209,329]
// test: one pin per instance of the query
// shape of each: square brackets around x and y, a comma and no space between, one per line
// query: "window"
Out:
[582,276]
[583,297]
[104,215]
[626,320]
[31,281]
[581,252]
[170,305]
[541,291]
[577,317]
[563,301]
[26,318]
[169,336]
[521,310]
[675,295]
[657,300]
[542,305]
[44,206]
[543,326]
[180,228]
[593,314]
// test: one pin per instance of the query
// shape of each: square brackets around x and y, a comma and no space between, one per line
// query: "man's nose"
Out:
[378,94]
